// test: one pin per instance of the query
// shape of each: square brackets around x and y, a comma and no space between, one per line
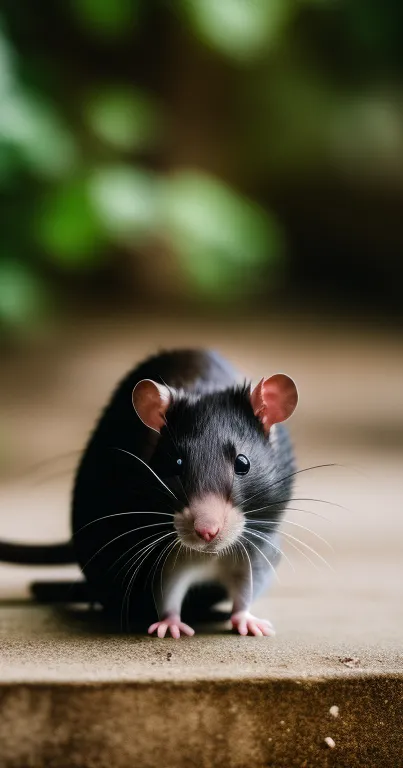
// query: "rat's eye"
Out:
[242,465]
[179,462]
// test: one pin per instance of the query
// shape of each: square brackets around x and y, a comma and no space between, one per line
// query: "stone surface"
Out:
[76,693]
[279,723]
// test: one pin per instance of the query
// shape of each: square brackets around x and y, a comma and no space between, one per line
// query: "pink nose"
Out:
[208,534]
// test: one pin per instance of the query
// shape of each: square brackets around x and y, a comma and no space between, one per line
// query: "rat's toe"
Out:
[246,624]
[186,629]
[174,625]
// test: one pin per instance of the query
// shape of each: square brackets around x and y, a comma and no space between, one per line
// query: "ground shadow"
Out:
[78,610]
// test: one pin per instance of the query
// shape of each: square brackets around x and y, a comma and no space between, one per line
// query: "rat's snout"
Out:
[208,533]
[210,523]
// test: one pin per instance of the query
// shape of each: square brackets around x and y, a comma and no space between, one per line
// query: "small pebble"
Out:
[351,661]
[334,711]
[330,743]
[169,656]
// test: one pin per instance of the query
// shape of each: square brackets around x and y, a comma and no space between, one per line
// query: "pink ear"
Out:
[274,400]
[151,401]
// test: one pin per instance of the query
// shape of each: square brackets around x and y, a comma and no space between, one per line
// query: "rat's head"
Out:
[225,455]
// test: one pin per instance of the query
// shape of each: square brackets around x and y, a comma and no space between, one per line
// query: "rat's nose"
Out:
[207,533]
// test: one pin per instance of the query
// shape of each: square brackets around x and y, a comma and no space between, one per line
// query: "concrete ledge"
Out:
[279,723]
[75,693]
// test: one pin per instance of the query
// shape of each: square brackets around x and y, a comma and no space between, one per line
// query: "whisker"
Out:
[35,468]
[140,492]
[293,474]
[250,567]
[268,540]
[122,450]
[297,525]
[321,501]
[178,552]
[172,546]
[130,549]
[55,476]
[173,440]
[137,565]
[125,533]
[154,566]
[264,556]
[129,588]
[233,552]
[305,469]
[304,544]
[119,514]
[183,489]
[301,552]
[291,509]
[139,553]
[176,446]
[134,558]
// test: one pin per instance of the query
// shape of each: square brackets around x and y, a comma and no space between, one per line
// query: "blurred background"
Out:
[206,172]
[229,154]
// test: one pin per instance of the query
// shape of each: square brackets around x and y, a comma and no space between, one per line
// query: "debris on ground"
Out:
[334,711]
[330,743]
[169,656]
[351,661]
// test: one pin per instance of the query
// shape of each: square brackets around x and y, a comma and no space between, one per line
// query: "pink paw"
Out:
[246,624]
[175,626]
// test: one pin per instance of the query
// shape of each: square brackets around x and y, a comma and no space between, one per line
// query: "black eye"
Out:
[242,465]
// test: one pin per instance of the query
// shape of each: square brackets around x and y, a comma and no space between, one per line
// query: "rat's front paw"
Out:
[175,626]
[246,624]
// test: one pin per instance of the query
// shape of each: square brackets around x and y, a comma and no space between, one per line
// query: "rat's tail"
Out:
[37,554]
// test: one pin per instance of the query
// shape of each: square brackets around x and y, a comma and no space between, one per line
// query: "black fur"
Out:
[207,426]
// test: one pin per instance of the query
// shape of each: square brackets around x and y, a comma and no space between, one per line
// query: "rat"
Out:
[180,492]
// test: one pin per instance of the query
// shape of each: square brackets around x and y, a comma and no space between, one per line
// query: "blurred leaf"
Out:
[36,131]
[21,296]
[238,28]
[10,164]
[6,65]
[365,135]
[110,18]
[124,199]
[221,238]
[68,229]
[126,119]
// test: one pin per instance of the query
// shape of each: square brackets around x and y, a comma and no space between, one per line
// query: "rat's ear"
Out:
[274,400]
[151,401]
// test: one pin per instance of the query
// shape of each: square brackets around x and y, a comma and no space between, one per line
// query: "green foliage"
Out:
[22,297]
[67,227]
[124,200]
[108,18]
[81,131]
[240,29]
[35,131]
[221,238]
[124,118]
